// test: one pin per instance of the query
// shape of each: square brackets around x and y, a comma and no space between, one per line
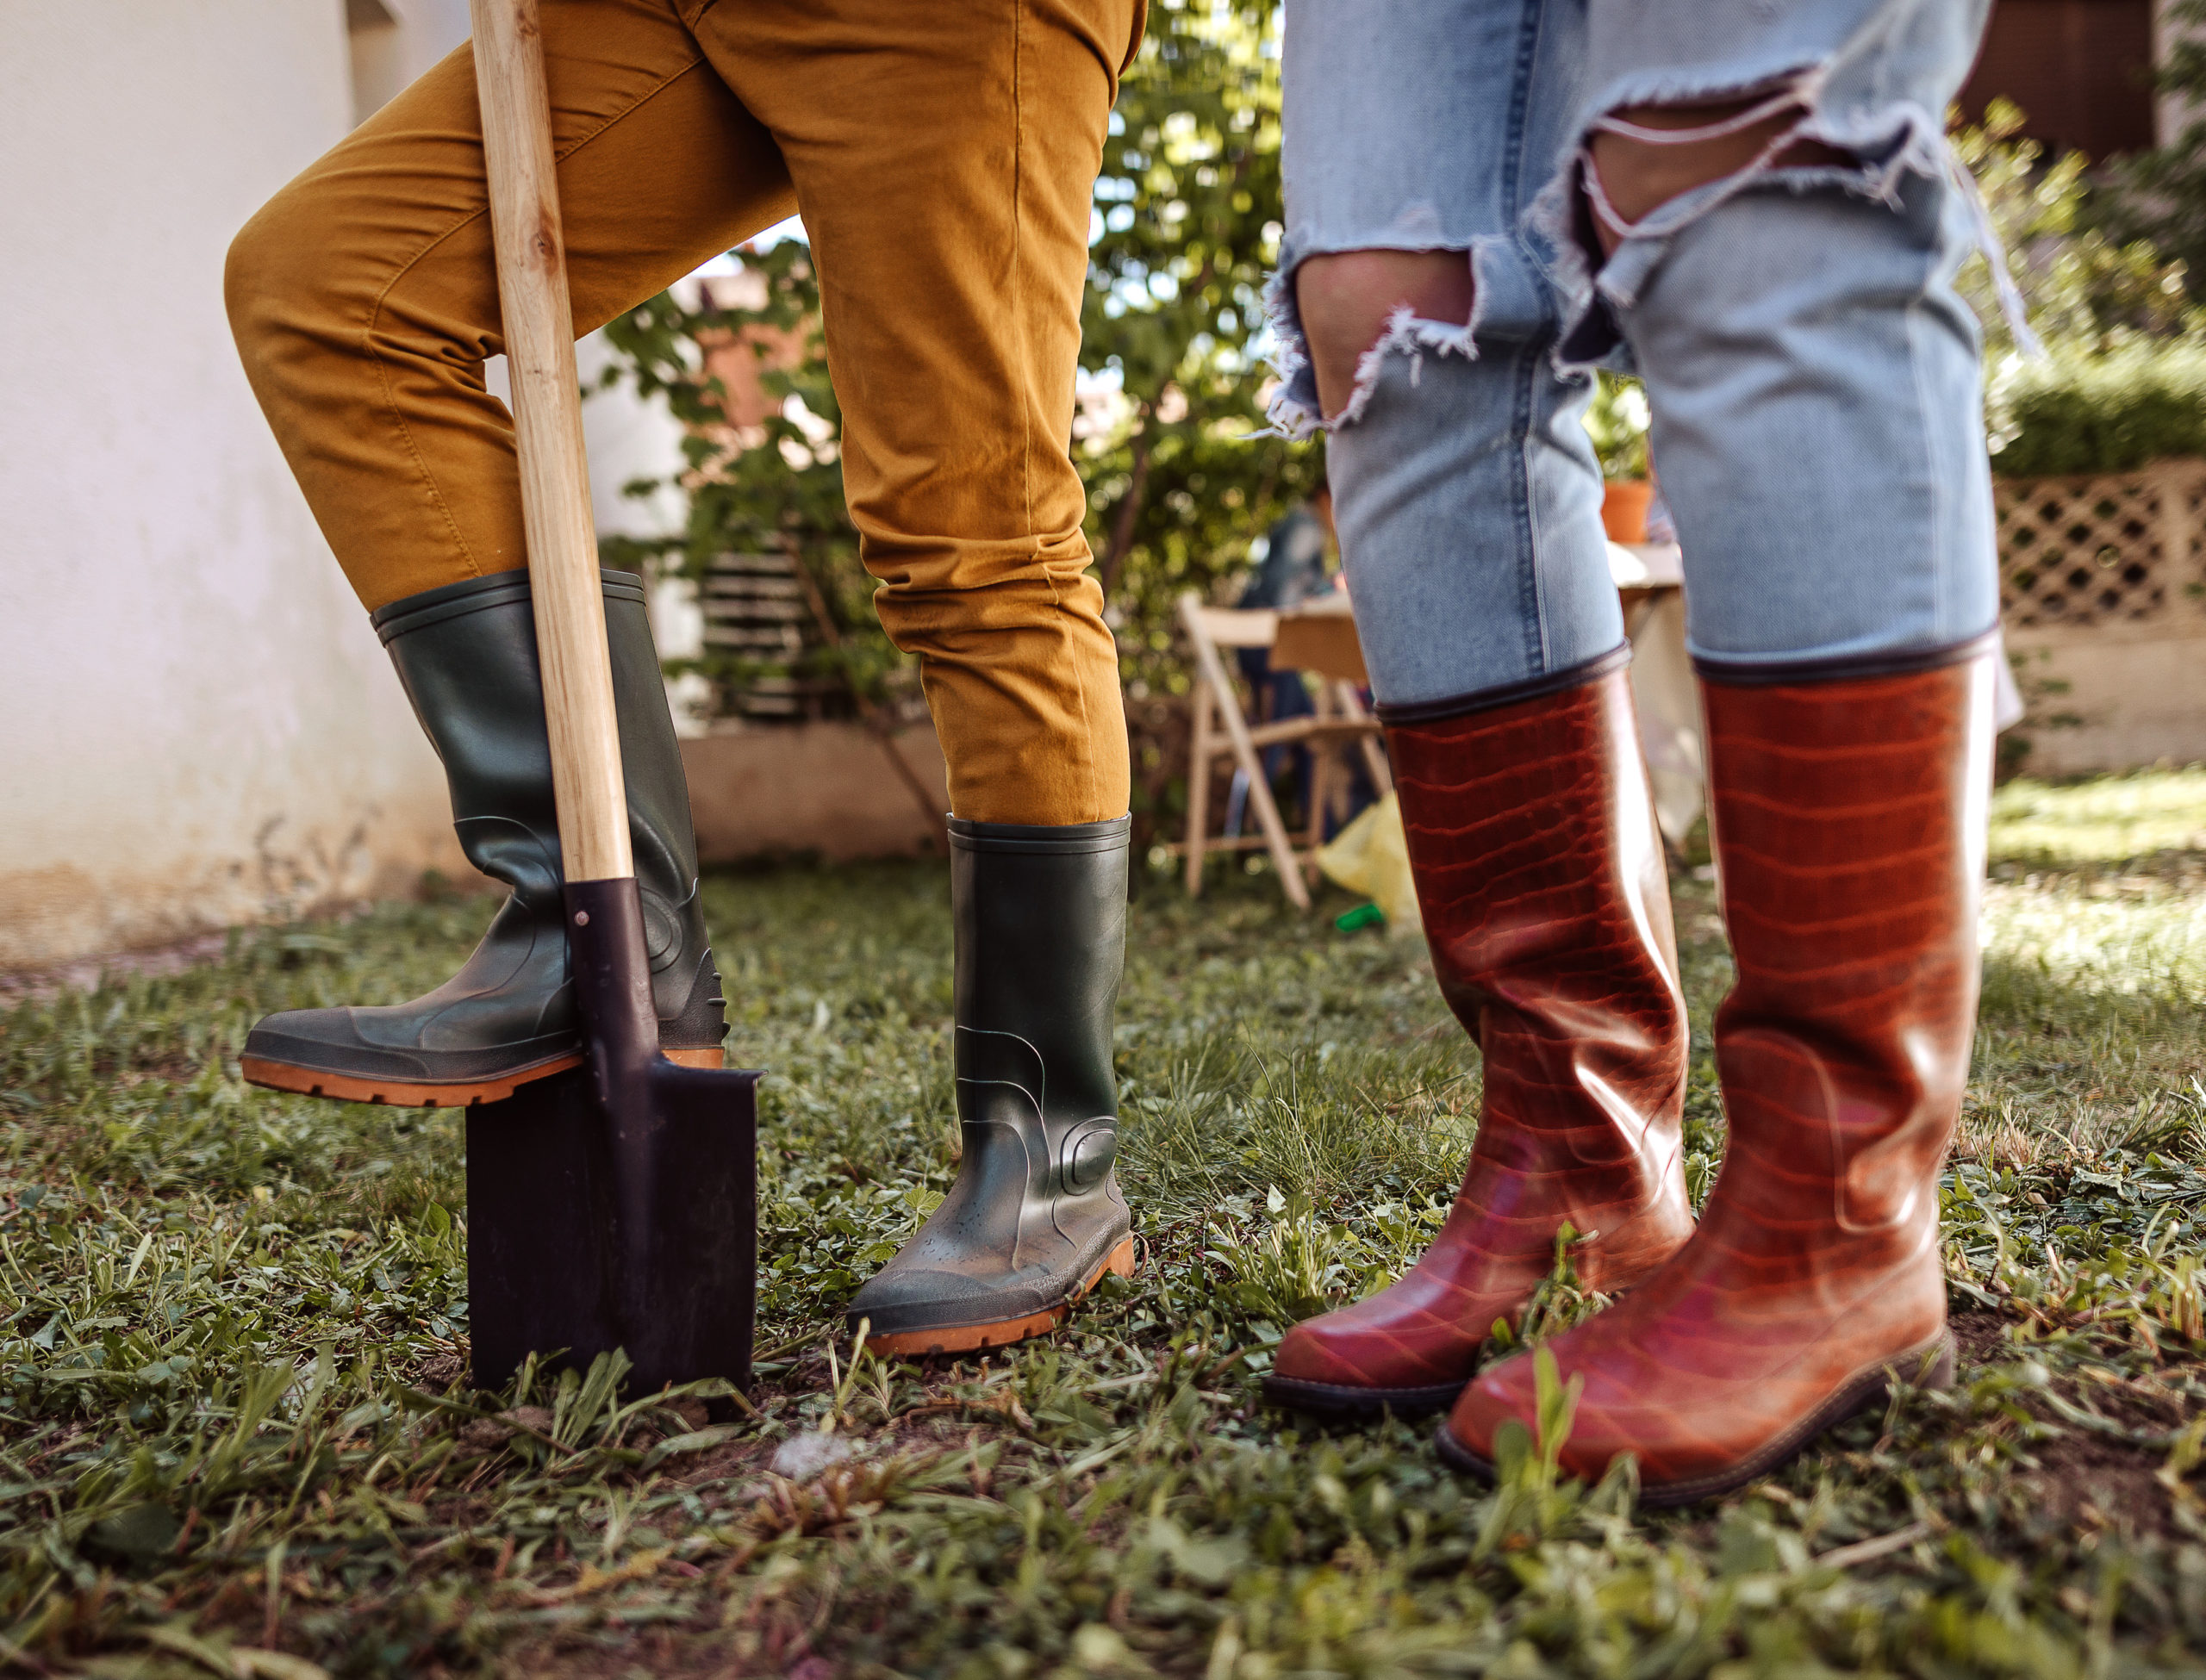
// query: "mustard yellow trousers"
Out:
[943,155]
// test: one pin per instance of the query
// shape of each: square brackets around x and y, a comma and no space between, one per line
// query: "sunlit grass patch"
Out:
[2107,819]
[2140,937]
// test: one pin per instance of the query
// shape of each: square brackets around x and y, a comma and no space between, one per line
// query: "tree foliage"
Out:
[1188,207]
[2161,196]
[2081,289]
[2108,396]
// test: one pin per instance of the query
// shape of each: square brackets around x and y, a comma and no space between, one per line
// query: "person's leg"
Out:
[1783,280]
[1419,333]
[1774,246]
[364,299]
[945,160]
[364,302]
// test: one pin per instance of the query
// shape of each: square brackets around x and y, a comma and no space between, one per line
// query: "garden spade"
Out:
[615,1205]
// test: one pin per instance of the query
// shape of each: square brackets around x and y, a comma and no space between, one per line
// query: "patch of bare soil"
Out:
[85,974]
[2090,1475]
[2085,1481]
[1981,1335]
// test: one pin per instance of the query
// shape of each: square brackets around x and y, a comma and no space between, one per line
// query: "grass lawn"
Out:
[236,1435]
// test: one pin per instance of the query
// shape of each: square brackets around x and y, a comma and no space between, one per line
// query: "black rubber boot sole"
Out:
[272,1074]
[277,1059]
[1865,1388]
[1343,1403]
[1000,1332]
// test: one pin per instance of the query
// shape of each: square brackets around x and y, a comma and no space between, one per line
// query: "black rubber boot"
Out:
[466,654]
[1034,1216]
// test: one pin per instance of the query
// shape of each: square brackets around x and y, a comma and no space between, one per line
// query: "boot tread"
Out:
[1002,1332]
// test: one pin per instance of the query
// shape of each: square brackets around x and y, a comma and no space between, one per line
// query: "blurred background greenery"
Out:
[1183,474]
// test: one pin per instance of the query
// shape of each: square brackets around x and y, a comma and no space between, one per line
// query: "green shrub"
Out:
[2074,412]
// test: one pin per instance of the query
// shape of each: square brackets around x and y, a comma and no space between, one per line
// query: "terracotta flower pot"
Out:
[1623,508]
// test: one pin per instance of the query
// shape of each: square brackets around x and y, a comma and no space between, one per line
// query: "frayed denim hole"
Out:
[1408,335]
[1293,410]
[1480,258]
[1896,140]
[1668,219]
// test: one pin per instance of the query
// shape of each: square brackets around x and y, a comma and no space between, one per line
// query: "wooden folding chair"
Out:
[1320,639]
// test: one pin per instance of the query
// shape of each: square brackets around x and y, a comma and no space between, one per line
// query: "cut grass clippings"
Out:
[237,1437]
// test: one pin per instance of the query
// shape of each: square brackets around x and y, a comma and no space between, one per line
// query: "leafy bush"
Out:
[2080,289]
[2161,195]
[2075,413]
[1617,420]
[2124,381]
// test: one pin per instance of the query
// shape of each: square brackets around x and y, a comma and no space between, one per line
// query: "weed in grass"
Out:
[236,1435]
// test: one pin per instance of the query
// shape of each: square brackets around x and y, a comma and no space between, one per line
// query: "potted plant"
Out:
[1617,421]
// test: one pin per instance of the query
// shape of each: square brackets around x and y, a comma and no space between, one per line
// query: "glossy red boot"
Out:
[1548,909]
[1849,817]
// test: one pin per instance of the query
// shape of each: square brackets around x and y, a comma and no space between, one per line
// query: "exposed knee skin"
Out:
[1638,177]
[1346,297]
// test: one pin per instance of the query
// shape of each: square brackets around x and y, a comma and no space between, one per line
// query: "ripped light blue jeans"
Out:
[1814,377]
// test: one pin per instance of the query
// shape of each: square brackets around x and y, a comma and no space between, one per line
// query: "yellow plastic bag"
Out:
[1372,855]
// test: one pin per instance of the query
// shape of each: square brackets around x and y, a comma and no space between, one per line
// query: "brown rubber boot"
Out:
[1546,903]
[1849,820]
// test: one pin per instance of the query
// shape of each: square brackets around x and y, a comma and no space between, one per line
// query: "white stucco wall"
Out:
[393,41]
[196,725]
[631,437]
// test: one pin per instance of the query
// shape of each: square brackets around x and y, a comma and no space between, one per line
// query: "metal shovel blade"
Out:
[615,1205]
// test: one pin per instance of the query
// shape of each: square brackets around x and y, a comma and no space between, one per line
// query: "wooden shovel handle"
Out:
[563,570]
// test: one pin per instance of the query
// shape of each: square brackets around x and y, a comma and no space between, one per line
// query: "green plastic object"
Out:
[1363,916]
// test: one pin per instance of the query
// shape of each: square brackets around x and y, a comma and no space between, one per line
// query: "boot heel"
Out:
[1940,1372]
[1122,1262]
